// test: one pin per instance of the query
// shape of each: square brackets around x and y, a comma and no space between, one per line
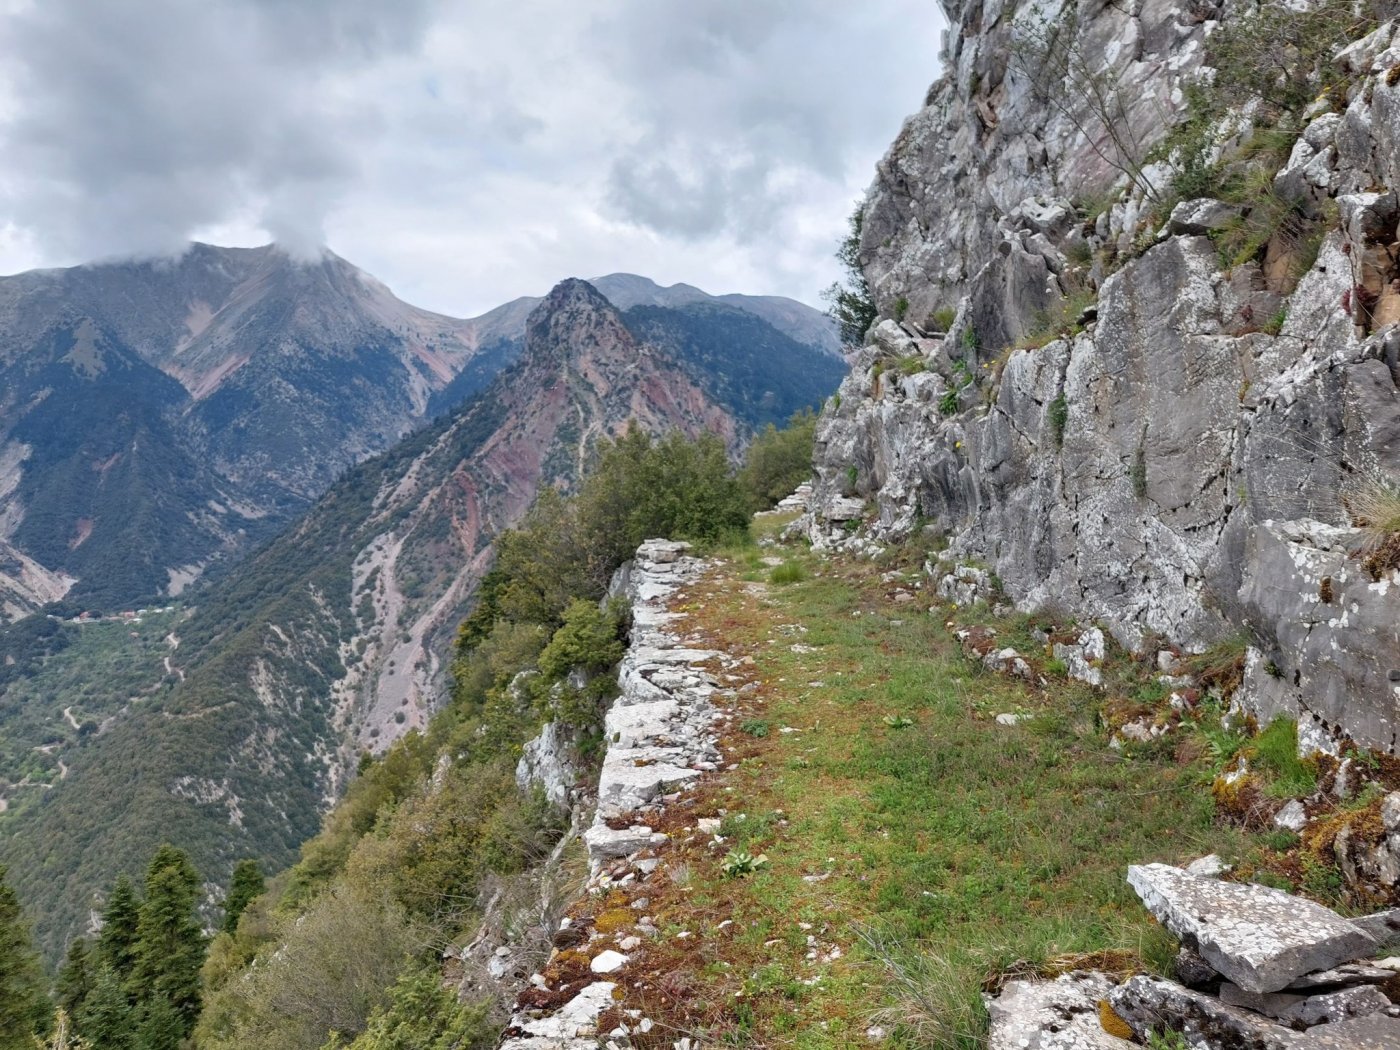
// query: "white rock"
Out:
[1292,817]
[608,962]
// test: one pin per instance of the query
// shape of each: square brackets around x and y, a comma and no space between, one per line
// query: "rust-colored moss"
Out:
[1242,802]
[1385,556]
[1366,829]
[1112,1023]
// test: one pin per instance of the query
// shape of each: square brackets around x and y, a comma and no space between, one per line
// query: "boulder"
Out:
[1062,1014]
[1259,938]
[1149,1004]
[1200,217]
[1383,927]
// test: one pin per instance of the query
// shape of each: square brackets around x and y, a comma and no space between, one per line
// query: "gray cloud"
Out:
[465,153]
[133,124]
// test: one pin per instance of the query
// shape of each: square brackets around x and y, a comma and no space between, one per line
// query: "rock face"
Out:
[1173,470]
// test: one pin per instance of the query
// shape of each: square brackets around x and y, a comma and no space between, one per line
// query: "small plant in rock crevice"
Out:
[1058,416]
[1375,510]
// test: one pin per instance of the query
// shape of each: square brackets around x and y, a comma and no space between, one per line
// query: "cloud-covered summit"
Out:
[466,152]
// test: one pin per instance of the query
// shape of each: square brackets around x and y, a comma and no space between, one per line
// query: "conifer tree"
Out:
[170,945]
[23,1006]
[116,944]
[161,1027]
[105,1019]
[247,883]
[75,977]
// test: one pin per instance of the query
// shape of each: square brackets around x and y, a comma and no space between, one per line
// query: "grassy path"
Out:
[914,847]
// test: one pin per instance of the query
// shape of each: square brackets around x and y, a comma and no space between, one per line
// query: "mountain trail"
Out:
[792,888]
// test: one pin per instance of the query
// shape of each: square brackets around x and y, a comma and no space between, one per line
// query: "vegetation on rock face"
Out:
[851,305]
[1376,510]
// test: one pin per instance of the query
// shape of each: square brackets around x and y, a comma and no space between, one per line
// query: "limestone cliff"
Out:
[1181,458]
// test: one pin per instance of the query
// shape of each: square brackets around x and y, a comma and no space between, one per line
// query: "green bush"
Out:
[942,319]
[589,639]
[778,461]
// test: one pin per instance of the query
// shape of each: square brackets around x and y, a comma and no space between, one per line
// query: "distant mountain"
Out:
[331,639]
[160,419]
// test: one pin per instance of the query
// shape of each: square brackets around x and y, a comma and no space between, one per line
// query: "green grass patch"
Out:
[1276,751]
[788,572]
[904,827]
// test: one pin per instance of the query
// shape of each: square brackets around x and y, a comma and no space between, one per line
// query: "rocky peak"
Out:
[574,322]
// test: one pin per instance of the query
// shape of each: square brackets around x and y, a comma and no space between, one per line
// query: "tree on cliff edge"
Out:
[169,942]
[23,1006]
[851,305]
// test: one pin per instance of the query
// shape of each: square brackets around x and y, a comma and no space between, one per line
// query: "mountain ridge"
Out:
[331,639]
[266,377]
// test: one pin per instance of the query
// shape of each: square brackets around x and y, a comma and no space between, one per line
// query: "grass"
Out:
[1376,511]
[905,866]
[1276,750]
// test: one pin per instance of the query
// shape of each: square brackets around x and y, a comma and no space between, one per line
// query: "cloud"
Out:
[464,153]
[131,124]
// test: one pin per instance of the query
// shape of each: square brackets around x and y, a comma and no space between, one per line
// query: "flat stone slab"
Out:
[1351,973]
[1259,938]
[1062,1014]
[1377,1032]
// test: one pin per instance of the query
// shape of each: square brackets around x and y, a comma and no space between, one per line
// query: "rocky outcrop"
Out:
[1259,970]
[1175,471]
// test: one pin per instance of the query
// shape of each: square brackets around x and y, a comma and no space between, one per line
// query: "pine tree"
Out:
[105,1019]
[169,942]
[246,885]
[75,977]
[116,945]
[23,1006]
[161,1027]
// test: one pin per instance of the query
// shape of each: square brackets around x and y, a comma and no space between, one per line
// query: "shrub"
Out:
[590,638]
[778,461]
[1058,416]
[901,308]
[755,727]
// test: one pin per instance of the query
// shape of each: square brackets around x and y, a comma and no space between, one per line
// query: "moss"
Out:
[614,919]
[1112,1023]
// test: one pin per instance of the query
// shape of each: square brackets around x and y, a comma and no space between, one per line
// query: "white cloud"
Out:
[463,154]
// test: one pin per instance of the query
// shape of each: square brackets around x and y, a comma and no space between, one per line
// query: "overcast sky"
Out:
[463,152]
